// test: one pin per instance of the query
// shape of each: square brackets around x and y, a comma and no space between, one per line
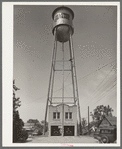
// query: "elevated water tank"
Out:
[62,21]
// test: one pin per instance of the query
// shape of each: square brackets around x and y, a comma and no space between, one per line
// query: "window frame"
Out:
[54,115]
[67,115]
[70,114]
[57,115]
[105,131]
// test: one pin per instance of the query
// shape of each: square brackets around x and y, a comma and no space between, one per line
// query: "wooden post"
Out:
[88,121]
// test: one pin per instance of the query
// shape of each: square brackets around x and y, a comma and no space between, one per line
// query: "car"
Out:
[37,132]
[106,134]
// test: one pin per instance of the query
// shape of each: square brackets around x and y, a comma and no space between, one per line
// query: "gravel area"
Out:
[60,139]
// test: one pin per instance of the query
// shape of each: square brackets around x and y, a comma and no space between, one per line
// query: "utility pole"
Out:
[88,120]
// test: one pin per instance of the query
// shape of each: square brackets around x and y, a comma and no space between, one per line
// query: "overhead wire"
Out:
[100,99]
[96,97]
[113,91]
[103,89]
[107,92]
[98,87]
[78,80]
[102,96]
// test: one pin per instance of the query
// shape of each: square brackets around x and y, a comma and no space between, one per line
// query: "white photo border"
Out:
[7,73]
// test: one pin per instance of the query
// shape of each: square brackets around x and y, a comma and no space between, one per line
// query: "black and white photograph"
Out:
[61,74]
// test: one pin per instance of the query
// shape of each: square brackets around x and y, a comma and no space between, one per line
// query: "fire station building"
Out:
[65,124]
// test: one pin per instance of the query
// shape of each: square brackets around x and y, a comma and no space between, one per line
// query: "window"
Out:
[68,115]
[56,115]
[106,131]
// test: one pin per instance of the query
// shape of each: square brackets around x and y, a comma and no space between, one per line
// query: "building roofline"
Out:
[107,120]
[61,104]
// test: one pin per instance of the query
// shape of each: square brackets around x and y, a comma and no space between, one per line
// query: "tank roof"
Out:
[61,8]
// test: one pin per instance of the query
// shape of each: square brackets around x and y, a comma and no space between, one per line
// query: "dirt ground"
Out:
[60,139]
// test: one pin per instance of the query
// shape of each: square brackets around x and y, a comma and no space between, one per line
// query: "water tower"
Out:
[63,110]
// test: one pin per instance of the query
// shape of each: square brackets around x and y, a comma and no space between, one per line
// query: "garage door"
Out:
[69,130]
[55,131]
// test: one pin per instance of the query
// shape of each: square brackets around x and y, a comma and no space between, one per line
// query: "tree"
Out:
[108,110]
[101,111]
[16,102]
[43,123]
[33,121]
[17,122]
[83,122]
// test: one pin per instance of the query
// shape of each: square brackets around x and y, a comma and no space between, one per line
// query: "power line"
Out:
[111,95]
[103,96]
[95,71]
[93,101]
[101,82]
[99,97]
[99,87]
[92,72]
[71,83]
[104,88]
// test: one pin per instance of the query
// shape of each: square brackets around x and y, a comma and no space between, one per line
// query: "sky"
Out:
[95,48]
